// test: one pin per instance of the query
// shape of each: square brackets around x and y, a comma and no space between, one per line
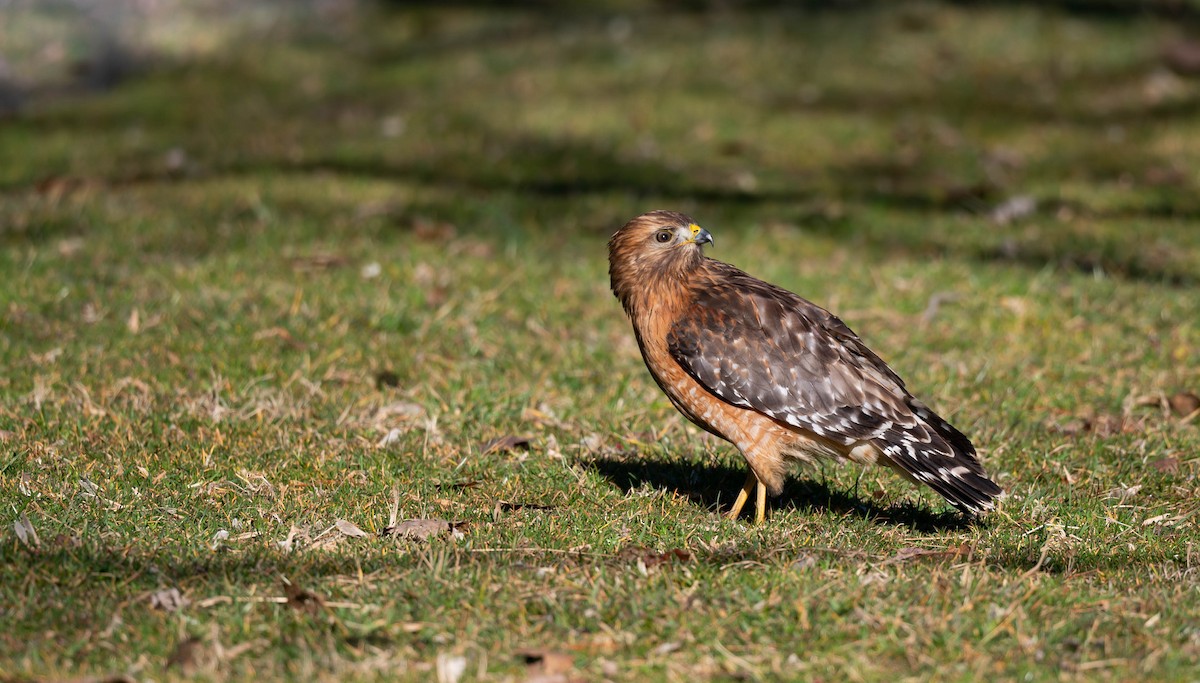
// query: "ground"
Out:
[273,284]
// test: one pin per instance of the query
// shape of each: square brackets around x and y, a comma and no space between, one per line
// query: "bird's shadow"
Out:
[714,486]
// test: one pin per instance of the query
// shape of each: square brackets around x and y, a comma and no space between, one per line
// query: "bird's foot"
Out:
[760,499]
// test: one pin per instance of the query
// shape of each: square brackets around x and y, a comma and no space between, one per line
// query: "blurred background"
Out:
[817,114]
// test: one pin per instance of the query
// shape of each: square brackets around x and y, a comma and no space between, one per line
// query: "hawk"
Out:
[779,377]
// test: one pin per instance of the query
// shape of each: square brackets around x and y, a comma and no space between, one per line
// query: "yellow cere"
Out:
[695,230]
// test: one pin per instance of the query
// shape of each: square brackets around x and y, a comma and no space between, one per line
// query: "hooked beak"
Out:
[700,235]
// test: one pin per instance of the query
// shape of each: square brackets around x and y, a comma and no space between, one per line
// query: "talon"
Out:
[743,496]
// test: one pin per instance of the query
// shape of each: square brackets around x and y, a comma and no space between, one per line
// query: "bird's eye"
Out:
[663,236]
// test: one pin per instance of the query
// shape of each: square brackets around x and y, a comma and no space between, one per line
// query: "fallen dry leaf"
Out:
[504,444]
[320,261]
[425,528]
[546,662]
[1013,209]
[168,600]
[1123,492]
[1110,425]
[394,435]
[1103,425]
[186,655]
[540,417]
[935,303]
[395,511]
[403,410]
[349,529]
[1183,57]
[70,246]
[667,648]
[450,668]
[1167,175]
[651,558]
[502,506]
[303,600]
[433,231]
[1157,519]
[218,539]
[25,532]
[1184,403]
[805,561]
[1166,465]
[55,187]
[283,335]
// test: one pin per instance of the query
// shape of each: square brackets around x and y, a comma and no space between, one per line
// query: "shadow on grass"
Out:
[715,486]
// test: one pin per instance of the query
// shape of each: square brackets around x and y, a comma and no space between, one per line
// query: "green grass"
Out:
[227,279]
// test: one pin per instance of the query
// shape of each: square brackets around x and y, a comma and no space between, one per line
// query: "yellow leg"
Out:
[760,501]
[743,495]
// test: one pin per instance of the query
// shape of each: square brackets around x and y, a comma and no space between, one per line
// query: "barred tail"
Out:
[934,453]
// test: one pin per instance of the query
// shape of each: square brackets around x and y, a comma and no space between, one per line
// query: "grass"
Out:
[265,285]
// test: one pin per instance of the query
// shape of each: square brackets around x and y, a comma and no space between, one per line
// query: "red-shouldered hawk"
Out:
[774,374]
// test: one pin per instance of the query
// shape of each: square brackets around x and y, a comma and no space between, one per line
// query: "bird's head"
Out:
[654,246]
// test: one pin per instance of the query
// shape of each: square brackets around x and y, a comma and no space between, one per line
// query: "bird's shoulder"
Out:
[753,304]
[734,313]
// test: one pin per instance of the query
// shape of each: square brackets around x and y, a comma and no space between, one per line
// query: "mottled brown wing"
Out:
[761,347]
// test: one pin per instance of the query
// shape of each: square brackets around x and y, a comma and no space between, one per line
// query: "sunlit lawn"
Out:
[259,300]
